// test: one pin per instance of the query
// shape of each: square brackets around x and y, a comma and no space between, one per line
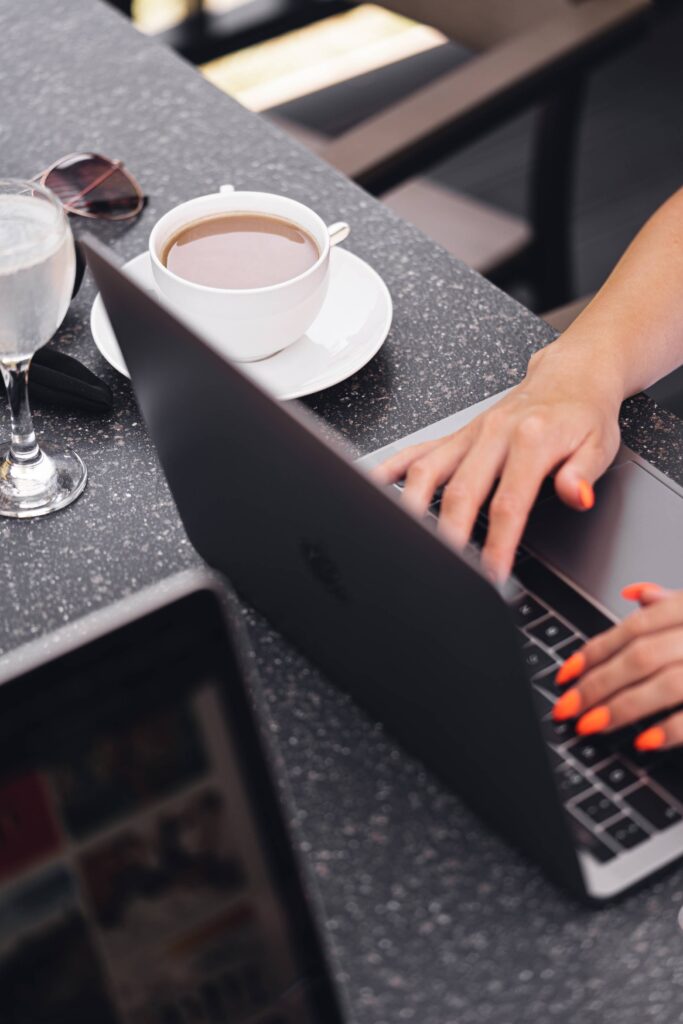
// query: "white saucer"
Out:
[347,333]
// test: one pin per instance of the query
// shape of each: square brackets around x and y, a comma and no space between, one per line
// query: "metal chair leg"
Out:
[552,180]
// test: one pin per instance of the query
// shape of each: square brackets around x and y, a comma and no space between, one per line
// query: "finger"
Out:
[639,660]
[430,471]
[574,481]
[532,455]
[395,467]
[645,593]
[642,659]
[663,736]
[661,692]
[654,618]
[471,484]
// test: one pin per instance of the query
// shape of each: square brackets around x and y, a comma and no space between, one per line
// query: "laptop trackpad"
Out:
[634,533]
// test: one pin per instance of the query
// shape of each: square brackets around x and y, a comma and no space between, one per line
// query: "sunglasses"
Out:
[90,185]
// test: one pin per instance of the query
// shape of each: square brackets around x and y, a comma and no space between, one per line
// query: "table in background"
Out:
[433,918]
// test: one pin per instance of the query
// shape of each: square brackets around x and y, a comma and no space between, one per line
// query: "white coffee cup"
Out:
[246,324]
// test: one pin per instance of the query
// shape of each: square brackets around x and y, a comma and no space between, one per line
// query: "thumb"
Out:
[574,480]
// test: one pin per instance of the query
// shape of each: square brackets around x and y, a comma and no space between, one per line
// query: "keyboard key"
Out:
[570,782]
[536,659]
[616,775]
[479,534]
[590,751]
[557,732]
[556,759]
[667,770]
[550,632]
[566,650]
[627,833]
[438,495]
[562,598]
[588,841]
[597,807]
[650,806]
[527,609]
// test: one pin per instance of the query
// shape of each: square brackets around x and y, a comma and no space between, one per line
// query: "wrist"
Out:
[580,363]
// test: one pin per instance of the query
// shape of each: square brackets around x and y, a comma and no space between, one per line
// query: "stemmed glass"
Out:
[37,268]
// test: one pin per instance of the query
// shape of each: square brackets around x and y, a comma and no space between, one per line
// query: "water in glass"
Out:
[37,268]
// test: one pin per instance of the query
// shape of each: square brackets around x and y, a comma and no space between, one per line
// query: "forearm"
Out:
[631,334]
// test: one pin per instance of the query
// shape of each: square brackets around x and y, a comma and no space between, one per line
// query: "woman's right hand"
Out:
[563,418]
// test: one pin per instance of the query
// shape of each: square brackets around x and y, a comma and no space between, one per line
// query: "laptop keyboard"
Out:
[614,802]
[616,798]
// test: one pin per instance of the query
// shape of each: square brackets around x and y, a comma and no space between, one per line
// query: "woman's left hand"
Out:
[630,672]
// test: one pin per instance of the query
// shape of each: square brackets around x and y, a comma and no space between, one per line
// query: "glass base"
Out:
[48,483]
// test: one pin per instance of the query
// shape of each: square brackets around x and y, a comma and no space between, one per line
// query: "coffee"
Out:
[240,250]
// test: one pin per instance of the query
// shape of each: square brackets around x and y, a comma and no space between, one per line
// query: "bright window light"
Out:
[152,16]
[320,55]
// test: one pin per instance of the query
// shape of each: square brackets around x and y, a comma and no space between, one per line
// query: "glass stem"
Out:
[24,447]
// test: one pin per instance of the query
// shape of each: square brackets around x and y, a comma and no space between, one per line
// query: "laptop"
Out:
[146,874]
[459,672]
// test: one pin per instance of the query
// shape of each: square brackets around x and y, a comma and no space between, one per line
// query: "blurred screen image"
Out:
[136,883]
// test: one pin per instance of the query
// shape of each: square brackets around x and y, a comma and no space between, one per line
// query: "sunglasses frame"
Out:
[115,165]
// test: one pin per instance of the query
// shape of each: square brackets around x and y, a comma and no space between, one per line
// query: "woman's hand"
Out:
[562,418]
[630,672]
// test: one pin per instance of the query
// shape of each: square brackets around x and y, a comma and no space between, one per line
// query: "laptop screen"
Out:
[145,875]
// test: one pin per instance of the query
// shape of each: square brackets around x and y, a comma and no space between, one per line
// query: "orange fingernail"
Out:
[571,669]
[651,739]
[567,706]
[594,720]
[586,494]
[634,591]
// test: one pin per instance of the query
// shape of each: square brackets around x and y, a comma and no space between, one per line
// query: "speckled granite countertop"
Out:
[433,918]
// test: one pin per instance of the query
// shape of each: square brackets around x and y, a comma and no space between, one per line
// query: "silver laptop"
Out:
[460,673]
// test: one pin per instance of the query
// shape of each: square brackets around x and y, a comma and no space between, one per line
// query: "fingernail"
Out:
[651,739]
[567,706]
[586,494]
[571,669]
[634,591]
[594,720]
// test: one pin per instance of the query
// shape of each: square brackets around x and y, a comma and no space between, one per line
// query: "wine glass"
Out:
[37,267]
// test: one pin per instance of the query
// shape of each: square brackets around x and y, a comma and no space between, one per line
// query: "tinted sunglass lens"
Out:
[92,185]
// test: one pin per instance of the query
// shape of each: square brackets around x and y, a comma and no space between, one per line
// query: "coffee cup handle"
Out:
[338,232]
[226,188]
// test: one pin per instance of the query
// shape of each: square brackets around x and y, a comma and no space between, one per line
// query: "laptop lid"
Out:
[145,871]
[393,615]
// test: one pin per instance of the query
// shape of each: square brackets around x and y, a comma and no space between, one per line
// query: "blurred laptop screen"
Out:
[144,872]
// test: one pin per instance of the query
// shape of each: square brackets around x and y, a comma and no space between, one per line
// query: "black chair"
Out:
[520,54]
